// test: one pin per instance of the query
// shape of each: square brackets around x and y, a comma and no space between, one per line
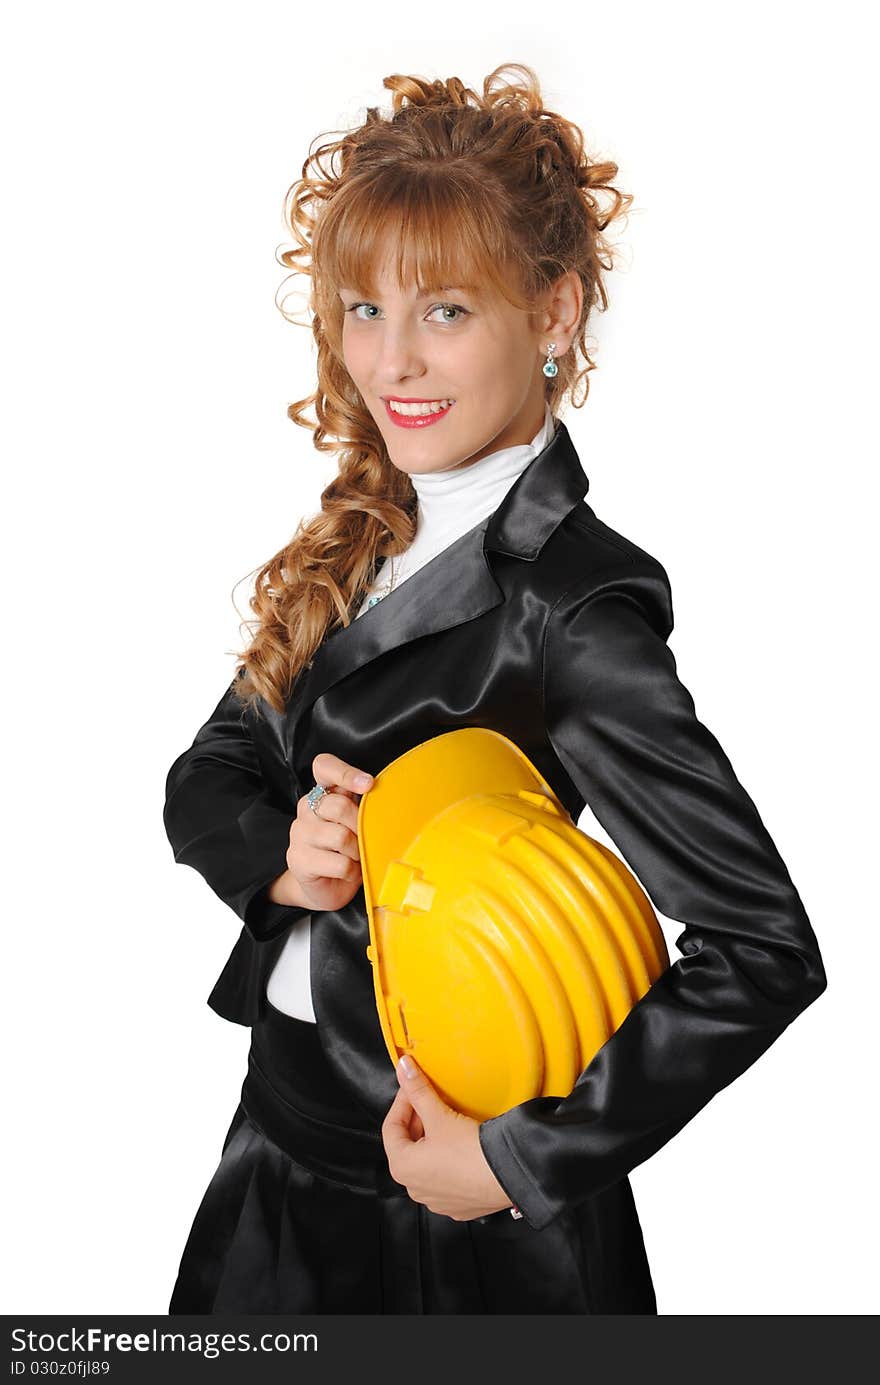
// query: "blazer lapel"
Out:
[458,584]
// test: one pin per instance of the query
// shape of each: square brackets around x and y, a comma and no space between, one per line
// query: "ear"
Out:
[563,306]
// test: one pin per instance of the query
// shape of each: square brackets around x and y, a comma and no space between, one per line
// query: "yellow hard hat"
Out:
[506,945]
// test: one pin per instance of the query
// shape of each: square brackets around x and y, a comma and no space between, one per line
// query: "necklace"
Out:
[387,586]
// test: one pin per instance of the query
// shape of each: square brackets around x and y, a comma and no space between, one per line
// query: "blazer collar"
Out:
[458,584]
[542,495]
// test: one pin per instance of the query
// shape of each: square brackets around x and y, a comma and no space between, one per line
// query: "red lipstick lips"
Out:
[415,420]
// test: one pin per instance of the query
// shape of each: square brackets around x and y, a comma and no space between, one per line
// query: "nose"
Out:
[399,357]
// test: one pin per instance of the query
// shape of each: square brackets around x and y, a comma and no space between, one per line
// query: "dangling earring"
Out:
[550,367]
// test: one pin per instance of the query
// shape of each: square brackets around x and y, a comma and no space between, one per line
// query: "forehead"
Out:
[417,240]
[411,271]
[386,283]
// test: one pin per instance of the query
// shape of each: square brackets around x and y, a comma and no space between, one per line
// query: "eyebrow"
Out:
[440,288]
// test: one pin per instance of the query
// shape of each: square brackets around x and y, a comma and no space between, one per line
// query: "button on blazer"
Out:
[545,624]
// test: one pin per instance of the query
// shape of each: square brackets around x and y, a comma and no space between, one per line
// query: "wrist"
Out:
[286,889]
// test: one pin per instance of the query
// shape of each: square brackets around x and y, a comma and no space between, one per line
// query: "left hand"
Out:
[434,1151]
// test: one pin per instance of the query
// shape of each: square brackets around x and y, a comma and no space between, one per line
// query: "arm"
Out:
[625,729]
[221,820]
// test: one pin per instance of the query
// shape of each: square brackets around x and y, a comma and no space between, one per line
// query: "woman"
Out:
[455,576]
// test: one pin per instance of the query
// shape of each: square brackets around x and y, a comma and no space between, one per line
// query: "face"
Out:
[477,357]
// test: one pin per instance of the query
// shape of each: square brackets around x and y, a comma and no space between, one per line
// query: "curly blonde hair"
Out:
[492,190]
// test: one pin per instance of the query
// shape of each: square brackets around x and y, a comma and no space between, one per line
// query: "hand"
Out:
[435,1152]
[323,858]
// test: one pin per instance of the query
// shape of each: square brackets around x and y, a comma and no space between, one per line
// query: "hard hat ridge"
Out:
[506,945]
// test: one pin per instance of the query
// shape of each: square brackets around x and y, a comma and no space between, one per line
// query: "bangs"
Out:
[435,231]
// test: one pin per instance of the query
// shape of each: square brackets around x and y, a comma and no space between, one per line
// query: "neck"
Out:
[437,490]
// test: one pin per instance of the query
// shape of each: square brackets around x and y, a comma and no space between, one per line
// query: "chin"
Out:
[411,457]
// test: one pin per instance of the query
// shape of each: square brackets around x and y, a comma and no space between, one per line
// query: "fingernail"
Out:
[363,781]
[406,1066]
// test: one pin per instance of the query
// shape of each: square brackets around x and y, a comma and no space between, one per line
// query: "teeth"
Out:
[434,407]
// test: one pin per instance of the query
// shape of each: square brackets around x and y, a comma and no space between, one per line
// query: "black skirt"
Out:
[303,1216]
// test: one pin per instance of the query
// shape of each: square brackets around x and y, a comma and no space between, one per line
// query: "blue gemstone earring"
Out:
[550,367]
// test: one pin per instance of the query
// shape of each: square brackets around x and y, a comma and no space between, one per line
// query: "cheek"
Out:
[490,378]
[468,368]
[353,356]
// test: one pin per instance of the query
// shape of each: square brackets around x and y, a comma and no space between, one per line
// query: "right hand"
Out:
[323,859]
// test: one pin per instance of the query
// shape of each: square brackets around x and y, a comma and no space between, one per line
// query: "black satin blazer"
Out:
[544,624]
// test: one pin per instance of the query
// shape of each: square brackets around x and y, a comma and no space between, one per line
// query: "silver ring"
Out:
[315,795]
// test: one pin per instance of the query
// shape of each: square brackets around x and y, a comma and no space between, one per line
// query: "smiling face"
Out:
[472,352]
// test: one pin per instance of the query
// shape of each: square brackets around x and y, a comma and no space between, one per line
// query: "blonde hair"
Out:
[492,191]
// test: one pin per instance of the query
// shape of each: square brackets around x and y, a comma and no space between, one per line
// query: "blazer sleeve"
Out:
[625,729]
[222,820]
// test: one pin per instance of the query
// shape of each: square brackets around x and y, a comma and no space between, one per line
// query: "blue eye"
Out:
[453,307]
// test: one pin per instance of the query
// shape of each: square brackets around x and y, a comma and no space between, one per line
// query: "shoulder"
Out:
[600,538]
[587,560]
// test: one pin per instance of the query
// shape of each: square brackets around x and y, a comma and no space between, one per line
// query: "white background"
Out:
[150,468]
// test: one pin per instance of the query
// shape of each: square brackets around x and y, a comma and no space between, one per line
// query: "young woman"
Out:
[455,576]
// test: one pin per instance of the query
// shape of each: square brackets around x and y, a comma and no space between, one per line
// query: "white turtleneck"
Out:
[450,503]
